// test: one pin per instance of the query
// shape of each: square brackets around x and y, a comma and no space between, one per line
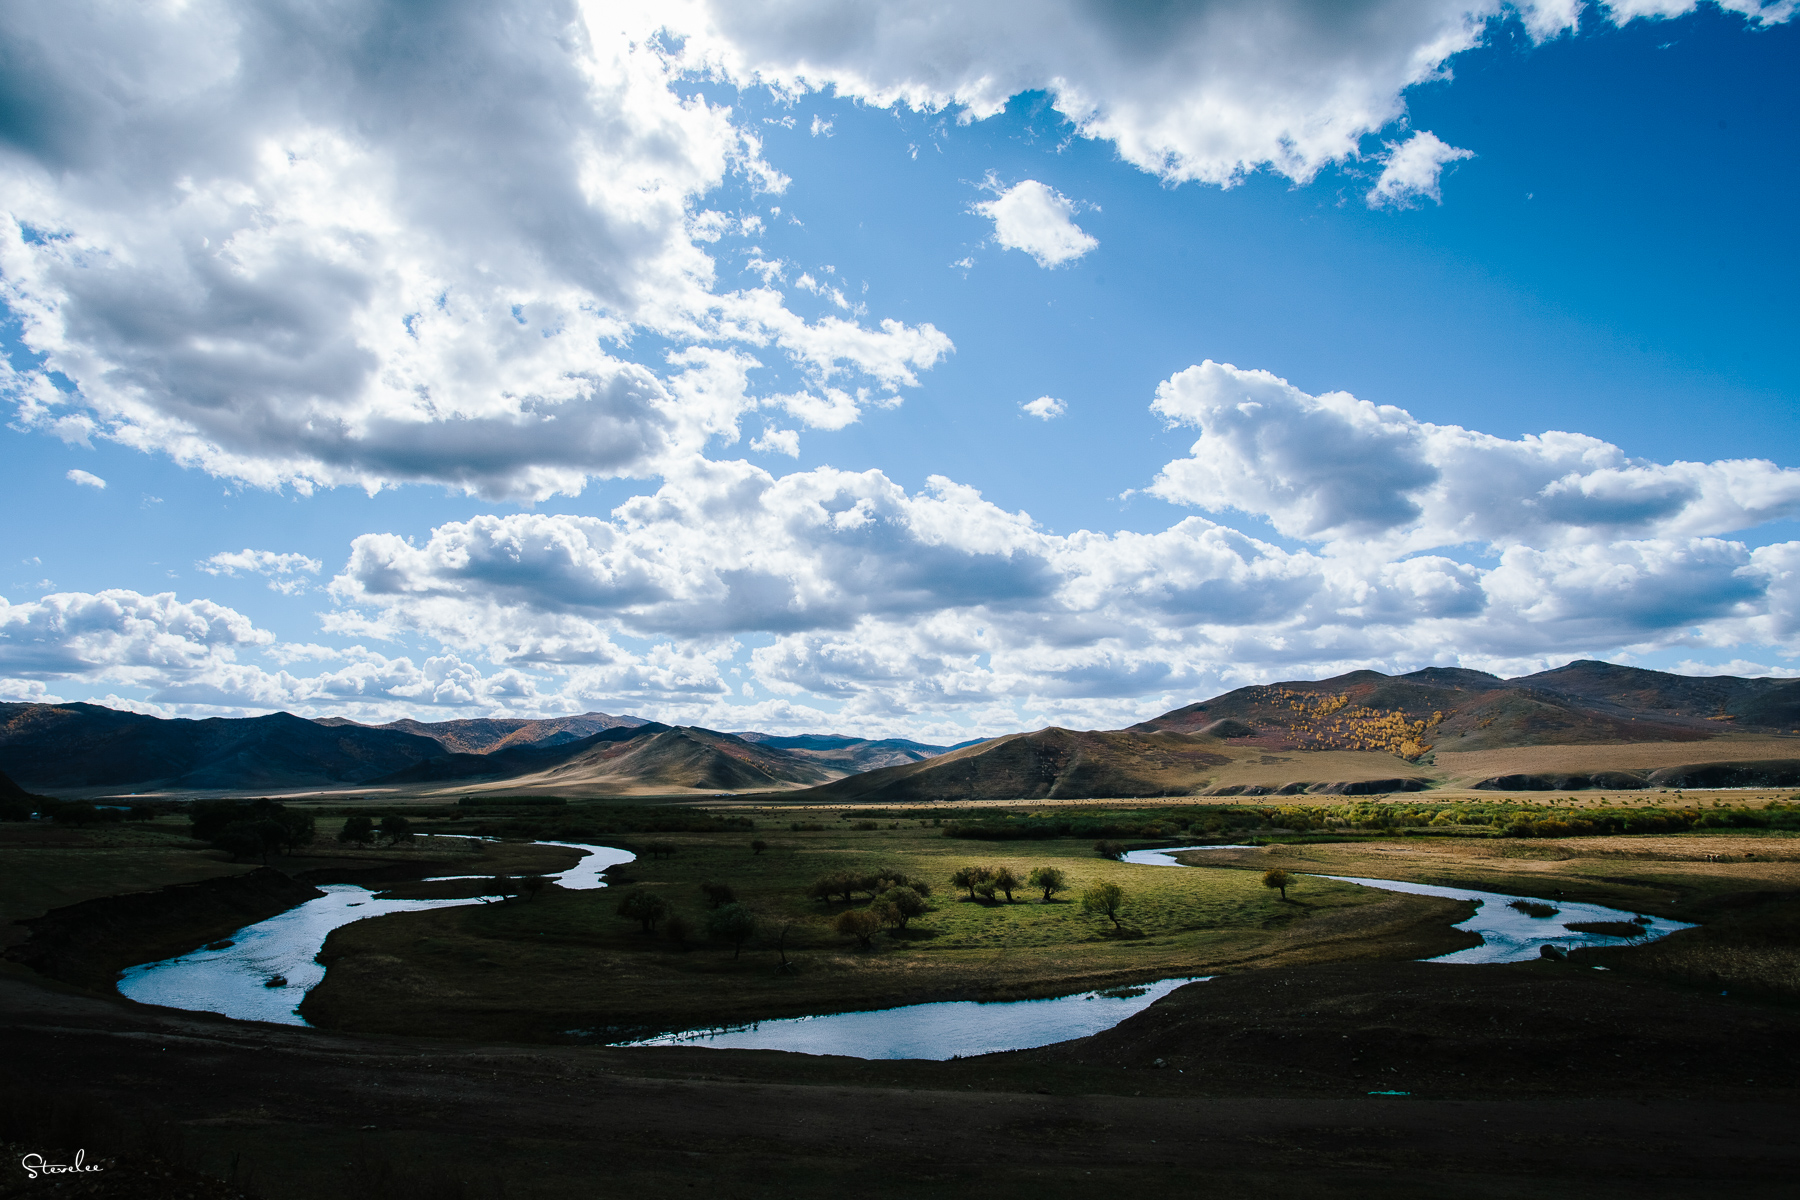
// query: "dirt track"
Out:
[312,1114]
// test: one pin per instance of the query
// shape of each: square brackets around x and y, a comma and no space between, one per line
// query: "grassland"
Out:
[46,866]
[566,961]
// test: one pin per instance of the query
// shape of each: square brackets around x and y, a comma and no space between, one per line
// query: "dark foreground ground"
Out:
[1529,1080]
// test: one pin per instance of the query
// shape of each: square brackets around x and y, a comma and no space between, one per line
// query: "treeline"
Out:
[250,828]
[597,821]
[1500,819]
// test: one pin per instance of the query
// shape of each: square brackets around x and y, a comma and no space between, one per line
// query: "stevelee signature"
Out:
[35,1165]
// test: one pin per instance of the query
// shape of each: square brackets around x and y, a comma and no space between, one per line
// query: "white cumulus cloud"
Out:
[1336,469]
[1412,170]
[292,245]
[86,479]
[1039,220]
[1045,408]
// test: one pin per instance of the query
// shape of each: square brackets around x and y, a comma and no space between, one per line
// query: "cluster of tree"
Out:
[729,922]
[847,884]
[985,882]
[250,828]
[891,909]
[361,829]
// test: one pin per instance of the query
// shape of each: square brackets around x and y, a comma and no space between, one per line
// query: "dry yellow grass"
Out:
[1465,767]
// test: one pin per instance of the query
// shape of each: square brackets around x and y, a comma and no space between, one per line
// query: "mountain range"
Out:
[1585,724]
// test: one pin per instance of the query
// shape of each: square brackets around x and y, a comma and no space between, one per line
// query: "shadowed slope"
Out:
[86,745]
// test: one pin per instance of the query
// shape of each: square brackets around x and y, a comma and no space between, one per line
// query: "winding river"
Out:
[234,979]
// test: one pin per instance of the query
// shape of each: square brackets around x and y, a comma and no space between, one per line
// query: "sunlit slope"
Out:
[1063,764]
[664,760]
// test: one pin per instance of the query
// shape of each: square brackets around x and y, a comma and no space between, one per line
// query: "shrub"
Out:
[396,829]
[1106,898]
[970,877]
[1109,849]
[896,906]
[359,829]
[758,846]
[1049,880]
[646,908]
[530,884]
[1007,880]
[860,924]
[718,895]
[679,929]
[734,924]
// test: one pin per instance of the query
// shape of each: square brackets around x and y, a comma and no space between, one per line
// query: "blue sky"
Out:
[675,359]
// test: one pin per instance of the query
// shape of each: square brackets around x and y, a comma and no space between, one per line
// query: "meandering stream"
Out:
[233,979]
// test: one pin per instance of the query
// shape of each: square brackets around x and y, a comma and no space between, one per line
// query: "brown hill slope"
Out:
[485,735]
[1063,764]
[1444,709]
[650,759]
[845,753]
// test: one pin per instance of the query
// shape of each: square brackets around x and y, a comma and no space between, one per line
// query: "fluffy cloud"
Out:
[1207,91]
[1336,469]
[314,246]
[1045,408]
[909,609]
[86,479]
[282,569]
[1039,220]
[1412,169]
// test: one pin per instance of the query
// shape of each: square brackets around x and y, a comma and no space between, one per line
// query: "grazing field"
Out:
[544,968]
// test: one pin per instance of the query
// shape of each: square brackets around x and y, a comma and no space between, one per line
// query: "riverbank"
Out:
[595,976]
[1537,1106]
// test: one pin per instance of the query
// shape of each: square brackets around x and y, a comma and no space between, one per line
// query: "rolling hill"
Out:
[59,747]
[485,735]
[650,759]
[842,752]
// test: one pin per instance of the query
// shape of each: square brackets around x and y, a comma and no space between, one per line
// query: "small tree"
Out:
[502,888]
[734,924]
[1106,898]
[396,829]
[970,877]
[896,906]
[1277,878]
[1050,880]
[530,884]
[718,895]
[359,829]
[1112,850]
[646,908]
[860,924]
[298,830]
[1007,880]
[758,846]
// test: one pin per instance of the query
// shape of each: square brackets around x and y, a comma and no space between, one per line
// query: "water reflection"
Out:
[952,1029]
[232,976]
